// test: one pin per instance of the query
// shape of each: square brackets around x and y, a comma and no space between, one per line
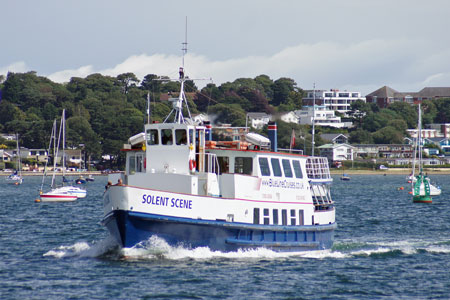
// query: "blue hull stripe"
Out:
[130,228]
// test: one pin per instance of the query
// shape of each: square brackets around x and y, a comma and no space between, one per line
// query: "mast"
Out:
[177,103]
[63,124]
[52,138]
[313,119]
[420,140]
[19,165]
[61,129]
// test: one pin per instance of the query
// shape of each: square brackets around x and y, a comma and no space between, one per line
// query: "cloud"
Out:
[361,66]
[16,67]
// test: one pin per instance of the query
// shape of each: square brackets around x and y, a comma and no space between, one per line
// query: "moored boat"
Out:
[422,189]
[63,193]
[183,187]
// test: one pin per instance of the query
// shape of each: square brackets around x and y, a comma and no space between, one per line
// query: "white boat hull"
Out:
[133,215]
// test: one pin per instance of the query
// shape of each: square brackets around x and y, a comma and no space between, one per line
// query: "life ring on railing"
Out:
[192,164]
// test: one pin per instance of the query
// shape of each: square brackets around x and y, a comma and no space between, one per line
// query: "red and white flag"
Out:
[292,145]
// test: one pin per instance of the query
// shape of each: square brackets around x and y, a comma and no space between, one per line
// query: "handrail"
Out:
[317,168]
[212,163]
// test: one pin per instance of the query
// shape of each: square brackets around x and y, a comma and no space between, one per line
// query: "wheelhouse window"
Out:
[276,167]
[166,137]
[152,137]
[181,136]
[243,165]
[297,169]
[264,166]
[287,168]
[191,136]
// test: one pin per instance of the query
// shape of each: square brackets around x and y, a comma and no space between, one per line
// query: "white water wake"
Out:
[158,248]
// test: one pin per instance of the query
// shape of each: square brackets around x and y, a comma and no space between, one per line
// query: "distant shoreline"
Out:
[27,173]
[393,171]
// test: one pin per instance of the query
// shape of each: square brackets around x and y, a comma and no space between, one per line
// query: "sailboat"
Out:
[344,177]
[62,193]
[422,189]
[16,177]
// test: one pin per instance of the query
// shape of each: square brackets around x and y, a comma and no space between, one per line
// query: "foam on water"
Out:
[83,249]
[158,248]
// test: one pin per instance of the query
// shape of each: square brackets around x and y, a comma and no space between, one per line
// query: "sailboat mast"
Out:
[420,140]
[63,124]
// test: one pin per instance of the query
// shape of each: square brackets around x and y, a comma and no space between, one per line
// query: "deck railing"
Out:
[317,168]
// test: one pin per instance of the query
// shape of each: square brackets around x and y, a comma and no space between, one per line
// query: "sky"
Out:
[353,45]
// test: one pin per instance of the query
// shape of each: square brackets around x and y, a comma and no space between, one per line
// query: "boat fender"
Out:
[192,164]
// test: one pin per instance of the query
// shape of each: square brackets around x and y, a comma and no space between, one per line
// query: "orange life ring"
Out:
[192,164]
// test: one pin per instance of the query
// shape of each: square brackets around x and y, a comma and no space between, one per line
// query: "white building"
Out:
[333,99]
[323,117]
[290,117]
[258,119]
[337,152]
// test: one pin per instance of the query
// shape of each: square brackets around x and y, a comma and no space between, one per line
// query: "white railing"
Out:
[211,163]
[317,168]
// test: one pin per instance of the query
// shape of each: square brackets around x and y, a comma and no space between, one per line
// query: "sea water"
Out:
[386,247]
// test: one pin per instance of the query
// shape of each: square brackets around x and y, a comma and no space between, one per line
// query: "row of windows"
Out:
[293,220]
[244,165]
[167,136]
[277,170]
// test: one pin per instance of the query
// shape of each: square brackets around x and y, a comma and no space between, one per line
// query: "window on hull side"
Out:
[266,216]
[255,215]
[275,216]
[284,217]
[301,217]
[293,220]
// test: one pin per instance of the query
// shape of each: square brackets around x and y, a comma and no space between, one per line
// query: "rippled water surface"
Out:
[385,247]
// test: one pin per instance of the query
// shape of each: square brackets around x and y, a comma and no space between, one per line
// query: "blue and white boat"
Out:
[191,191]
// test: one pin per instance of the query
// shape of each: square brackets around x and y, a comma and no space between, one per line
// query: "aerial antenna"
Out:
[313,119]
[184,49]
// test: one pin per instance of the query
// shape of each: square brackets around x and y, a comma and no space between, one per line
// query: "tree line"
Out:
[103,111]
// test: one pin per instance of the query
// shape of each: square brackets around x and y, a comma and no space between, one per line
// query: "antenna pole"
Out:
[184,49]
[148,107]
[313,119]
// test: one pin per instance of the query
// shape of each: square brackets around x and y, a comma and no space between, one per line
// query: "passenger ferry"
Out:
[183,187]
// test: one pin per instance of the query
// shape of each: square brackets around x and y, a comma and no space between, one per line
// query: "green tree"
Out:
[126,80]
[360,136]
[388,135]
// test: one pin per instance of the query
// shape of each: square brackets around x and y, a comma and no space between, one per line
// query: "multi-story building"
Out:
[383,151]
[335,100]
[337,152]
[385,95]
[321,115]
